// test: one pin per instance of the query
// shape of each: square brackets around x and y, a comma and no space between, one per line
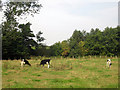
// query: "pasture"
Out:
[64,73]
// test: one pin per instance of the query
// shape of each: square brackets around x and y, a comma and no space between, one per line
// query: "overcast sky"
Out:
[59,18]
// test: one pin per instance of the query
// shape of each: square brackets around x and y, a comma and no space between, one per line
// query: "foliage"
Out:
[96,42]
[65,48]
[39,38]
[18,38]
[74,41]
[56,49]
[82,51]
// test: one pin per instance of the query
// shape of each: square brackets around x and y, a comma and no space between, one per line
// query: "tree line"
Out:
[82,43]
[18,40]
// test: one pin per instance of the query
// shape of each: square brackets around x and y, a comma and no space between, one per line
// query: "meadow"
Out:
[87,72]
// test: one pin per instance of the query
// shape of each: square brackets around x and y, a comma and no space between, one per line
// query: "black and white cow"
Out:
[45,61]
[109,63]
[24,62]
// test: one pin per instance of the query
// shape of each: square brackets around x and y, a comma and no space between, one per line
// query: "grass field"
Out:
[64,73]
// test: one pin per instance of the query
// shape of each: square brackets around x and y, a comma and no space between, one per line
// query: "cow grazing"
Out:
[45,61]
[109,63]
[24,62]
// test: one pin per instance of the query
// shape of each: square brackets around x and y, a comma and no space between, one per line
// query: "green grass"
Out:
[64,73]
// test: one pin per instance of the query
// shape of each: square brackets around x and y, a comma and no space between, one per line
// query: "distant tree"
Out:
[73,43]
[96,42]
[56,49]
[42,50]
[82,50]
[102,43]
[65,48]
[118,40]
[110,41]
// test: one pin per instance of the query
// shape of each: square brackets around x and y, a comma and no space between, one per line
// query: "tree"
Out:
[82,51]
[56,49]
[27,38]
[118,39]
[93,42]
[73,43]
[39,38]
[102,43]
[17,38]
[0,5]
[65,48]
[110,41]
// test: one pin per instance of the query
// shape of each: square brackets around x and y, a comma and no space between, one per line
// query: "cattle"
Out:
[24,62]
[109,63]
[45,61]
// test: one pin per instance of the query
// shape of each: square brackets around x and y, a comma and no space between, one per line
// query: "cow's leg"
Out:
[48,65]
[110,65]
[22,63]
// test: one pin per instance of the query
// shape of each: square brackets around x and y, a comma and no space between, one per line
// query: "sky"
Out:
[59,18]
